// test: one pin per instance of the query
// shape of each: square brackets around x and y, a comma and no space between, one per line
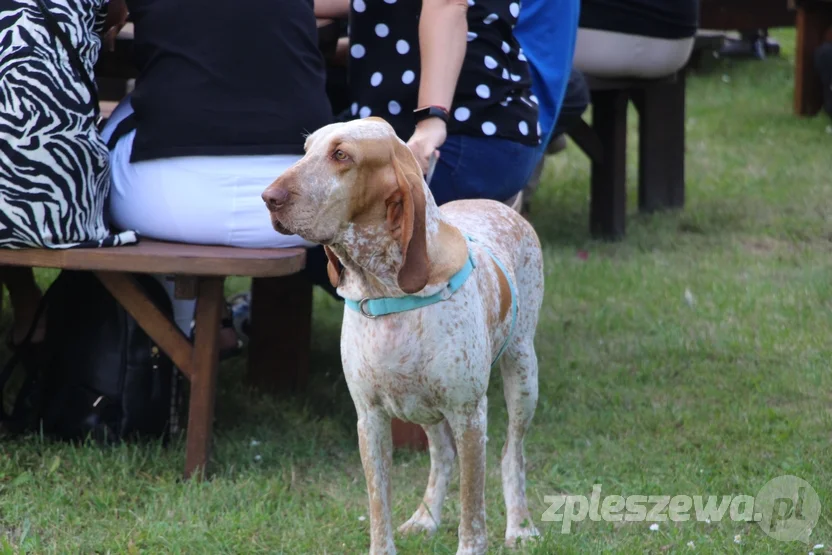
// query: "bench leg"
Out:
[204,381]
[813,19]
[661,165]
[408,435]
[584,136]
[281,332]
[608,202]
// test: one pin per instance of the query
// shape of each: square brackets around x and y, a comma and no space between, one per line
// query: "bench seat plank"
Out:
[165,258]
[613,84]
[208,265]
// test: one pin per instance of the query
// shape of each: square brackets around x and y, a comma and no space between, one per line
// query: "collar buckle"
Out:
[362,309]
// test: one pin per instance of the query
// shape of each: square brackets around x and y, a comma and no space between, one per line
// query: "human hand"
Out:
[430,134]
[116,19]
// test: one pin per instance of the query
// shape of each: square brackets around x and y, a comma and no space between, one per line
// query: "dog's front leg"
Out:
[375,444]
[470,433]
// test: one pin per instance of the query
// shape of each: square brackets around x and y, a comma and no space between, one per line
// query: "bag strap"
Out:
[17,355]
[74,58]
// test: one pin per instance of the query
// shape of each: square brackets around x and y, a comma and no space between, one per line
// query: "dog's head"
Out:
[358,186]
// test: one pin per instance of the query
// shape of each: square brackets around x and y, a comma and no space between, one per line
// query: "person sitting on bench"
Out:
[639,39]
[221,108]
[55,171]
[460,65]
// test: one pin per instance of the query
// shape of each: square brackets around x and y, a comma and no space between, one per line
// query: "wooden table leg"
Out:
[813,20]
[205,363]
[608,201]
[661,166]
[409,435]
[281,332]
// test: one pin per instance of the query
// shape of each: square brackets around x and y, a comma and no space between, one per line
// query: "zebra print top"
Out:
[54,167]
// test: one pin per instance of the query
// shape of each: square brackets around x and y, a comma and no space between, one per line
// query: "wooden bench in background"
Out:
[812,18]
[733,15]
[276,342]
[661,184]
[661,108]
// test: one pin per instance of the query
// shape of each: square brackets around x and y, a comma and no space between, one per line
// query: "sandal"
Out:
[240,307]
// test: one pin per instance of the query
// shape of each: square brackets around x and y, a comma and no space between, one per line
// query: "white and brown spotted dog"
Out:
[359,191]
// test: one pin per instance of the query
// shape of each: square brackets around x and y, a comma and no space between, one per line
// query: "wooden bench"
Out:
[200,271]
[733,15]
[814,19]
[661,183]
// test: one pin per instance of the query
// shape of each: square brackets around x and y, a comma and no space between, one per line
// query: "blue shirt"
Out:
[546,30]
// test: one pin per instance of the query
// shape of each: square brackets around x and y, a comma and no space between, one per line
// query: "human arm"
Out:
[116,19]
[342,49]
[332,9]
[443,30]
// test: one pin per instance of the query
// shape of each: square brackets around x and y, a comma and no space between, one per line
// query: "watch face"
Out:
[430,112]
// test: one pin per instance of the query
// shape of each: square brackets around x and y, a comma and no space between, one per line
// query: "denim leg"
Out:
[575,103]
[481,168]
[443,182]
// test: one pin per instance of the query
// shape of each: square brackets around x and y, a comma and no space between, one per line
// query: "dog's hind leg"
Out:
[442,453]
[519,371]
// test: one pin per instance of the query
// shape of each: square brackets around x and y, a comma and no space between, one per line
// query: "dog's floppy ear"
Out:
[333,267]
[406,219]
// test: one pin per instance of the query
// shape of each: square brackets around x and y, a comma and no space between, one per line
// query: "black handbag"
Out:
[99,375]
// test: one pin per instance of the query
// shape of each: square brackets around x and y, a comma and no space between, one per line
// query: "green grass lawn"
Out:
[691,358]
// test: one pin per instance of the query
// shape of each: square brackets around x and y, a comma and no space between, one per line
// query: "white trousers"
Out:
[618,55]
[208,200]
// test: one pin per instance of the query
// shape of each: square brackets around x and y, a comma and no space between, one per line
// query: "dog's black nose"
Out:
[275,197]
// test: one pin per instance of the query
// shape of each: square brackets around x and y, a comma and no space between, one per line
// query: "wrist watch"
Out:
[421,114]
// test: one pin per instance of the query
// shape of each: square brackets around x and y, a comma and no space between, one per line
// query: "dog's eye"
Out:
[340,155]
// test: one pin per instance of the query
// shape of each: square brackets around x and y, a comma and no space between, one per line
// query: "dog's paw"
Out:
[420,523]
[479,547]
[519,536]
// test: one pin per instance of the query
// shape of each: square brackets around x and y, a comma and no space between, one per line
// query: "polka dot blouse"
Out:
[493,95]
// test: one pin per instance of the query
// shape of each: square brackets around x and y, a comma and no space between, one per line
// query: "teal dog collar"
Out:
[373,308]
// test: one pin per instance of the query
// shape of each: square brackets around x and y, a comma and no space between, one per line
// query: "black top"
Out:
[663,19]
[493,96]
[226,78]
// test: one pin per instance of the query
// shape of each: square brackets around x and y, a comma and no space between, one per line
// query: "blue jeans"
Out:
[481,167]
